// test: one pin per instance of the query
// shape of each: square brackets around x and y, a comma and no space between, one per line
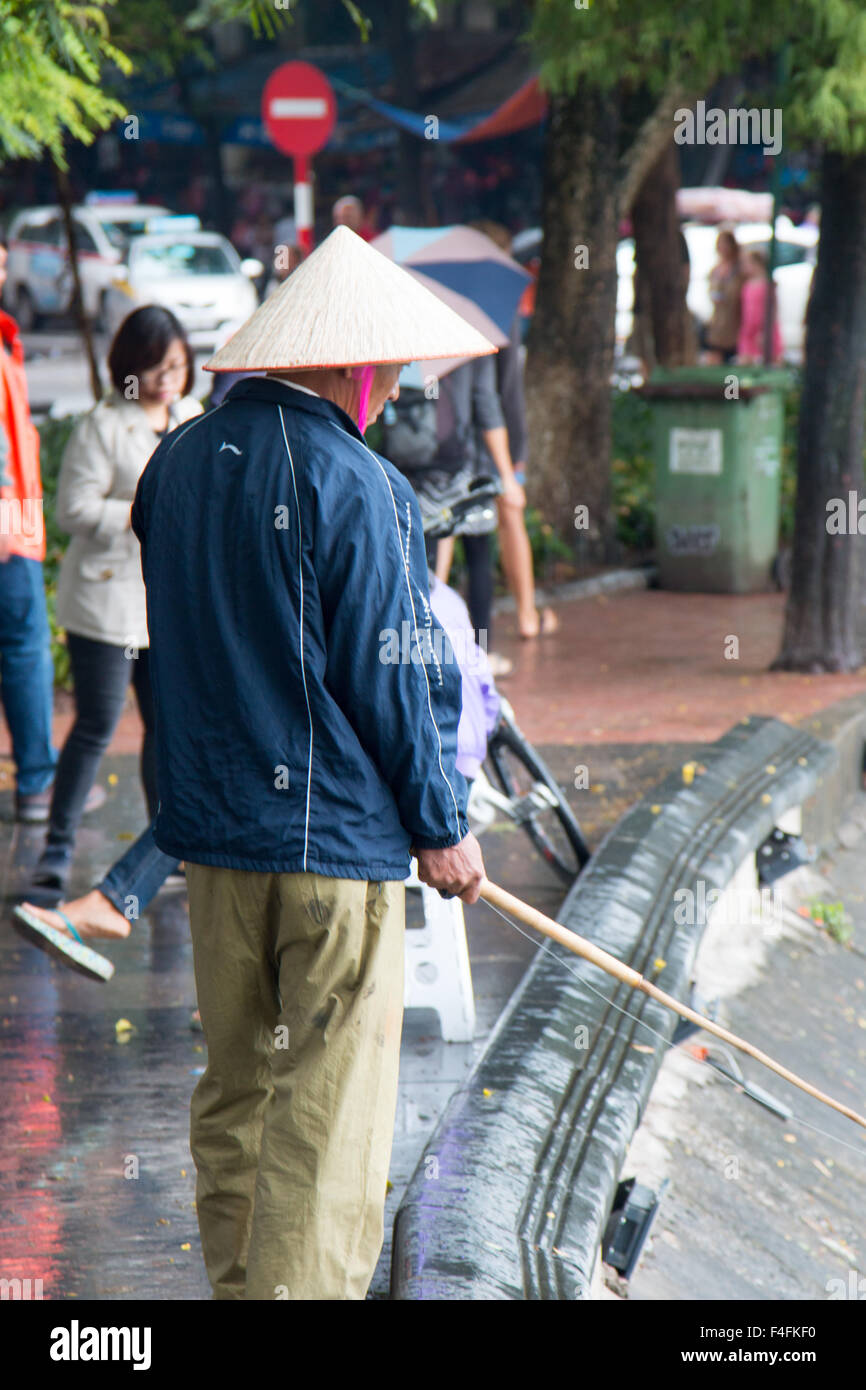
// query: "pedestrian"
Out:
[286,259]
[758,287]
[349,212]
[297,766]
[726,283]
[514,545]
[100,595]
[26,668]
[443,443]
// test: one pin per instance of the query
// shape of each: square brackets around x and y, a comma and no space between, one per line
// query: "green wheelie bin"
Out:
[717,444]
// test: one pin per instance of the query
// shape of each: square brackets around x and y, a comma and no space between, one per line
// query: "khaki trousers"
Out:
[300,987]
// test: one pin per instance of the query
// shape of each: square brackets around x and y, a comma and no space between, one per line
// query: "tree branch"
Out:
[649,143]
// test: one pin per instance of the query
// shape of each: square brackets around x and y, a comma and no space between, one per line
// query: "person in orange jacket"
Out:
[26,668]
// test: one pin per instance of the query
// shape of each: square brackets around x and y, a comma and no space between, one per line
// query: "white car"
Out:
[39,281]
[197,275]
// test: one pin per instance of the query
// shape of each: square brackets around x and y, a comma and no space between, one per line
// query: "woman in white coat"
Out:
[101,596]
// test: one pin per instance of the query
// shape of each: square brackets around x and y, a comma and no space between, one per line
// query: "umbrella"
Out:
[724,204]
[466,270]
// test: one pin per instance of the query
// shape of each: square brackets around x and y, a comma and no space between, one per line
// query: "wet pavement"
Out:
[651,666]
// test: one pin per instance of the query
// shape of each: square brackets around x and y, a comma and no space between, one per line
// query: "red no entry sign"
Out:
[298,108]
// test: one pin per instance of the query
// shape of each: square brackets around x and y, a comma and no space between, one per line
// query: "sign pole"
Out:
[303,203]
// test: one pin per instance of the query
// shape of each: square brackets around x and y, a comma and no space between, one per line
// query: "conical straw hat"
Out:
[347,305]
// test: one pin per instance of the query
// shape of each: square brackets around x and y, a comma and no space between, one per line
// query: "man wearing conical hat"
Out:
[307,711]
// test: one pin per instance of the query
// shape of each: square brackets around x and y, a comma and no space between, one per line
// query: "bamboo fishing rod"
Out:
[506,902]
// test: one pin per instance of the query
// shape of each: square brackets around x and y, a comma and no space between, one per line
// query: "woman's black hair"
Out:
[142,341]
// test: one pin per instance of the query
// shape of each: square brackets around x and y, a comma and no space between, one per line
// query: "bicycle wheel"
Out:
[538,804]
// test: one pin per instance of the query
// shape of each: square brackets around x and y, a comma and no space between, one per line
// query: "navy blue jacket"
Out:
[287,605]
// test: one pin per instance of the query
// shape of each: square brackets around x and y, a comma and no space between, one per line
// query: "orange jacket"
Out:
[20,480]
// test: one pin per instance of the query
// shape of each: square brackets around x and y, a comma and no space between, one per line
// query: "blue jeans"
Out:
[27,672]
[137,877]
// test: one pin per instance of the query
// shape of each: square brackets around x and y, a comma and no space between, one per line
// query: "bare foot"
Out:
[92,916]
[546,622]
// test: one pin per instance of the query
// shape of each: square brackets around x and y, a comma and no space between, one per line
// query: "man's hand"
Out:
[5,547]
[457,871]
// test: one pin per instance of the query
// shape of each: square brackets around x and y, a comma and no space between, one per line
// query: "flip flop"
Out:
[71,950]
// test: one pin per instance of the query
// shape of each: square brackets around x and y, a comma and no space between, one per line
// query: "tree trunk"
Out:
[83,324]
[664,330]
[571,343]
[413,191]
[820,620]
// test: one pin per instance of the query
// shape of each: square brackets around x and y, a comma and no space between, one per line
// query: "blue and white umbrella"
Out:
[466,270]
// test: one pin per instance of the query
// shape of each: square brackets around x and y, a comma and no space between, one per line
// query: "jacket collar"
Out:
[271,392]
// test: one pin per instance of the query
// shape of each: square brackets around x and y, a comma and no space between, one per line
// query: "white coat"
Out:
[100,592]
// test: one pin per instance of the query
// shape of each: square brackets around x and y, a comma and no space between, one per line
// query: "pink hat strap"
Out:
[365,376]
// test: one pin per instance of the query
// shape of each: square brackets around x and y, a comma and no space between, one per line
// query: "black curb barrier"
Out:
[512,1193]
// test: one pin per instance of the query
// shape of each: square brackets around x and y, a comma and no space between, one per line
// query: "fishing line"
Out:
[668,1044]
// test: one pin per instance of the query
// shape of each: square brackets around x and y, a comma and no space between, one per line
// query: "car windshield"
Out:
[176,258]
[119,233]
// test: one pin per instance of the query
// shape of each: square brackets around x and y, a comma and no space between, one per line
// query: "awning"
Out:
[527,107]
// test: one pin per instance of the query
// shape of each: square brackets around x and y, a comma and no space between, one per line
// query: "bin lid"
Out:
[708,383]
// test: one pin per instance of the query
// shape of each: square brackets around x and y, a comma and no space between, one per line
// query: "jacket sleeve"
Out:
[84,507]
[372,572]
[6,479]
[486,407]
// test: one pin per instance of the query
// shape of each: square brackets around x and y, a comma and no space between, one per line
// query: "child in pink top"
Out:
[753,309]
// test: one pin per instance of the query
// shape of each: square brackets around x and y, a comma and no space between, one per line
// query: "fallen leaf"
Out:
[840,1248]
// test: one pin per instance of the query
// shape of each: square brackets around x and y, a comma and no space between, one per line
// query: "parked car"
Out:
[198,275]
[796,251]
[39,280]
